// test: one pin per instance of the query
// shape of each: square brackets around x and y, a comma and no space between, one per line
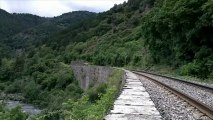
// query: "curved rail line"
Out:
[200,106]
[180,80]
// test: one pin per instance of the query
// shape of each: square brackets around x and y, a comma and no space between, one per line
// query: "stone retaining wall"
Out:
[90,74]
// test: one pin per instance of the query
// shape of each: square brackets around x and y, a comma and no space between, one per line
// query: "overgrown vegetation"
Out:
[142,34]
[32,70]
[11,24]
[179,33]
[90,106]
[40,78]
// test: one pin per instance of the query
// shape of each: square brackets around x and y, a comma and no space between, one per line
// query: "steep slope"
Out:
[113,38]
[132,34]
[179,34]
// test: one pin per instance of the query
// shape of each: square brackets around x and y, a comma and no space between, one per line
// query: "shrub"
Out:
[94,93]
[189,69]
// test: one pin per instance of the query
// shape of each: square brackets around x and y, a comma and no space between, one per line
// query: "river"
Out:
[28,108]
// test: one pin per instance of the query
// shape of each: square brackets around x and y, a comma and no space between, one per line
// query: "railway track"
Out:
[180,80]
[192,93]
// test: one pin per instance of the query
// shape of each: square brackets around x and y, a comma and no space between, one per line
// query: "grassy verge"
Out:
[94,104]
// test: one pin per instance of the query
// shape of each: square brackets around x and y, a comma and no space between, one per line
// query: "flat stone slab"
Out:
[128,109]
[132,85]
[133,89]
[133,97]
[134,102]
[131,117]
[137,93]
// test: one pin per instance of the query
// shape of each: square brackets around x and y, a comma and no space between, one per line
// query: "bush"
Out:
[202,69]
[31,91]
[189,69]
[94,93]
[211,75]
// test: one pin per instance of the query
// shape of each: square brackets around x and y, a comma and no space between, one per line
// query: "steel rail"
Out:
[199,105]
[180,80]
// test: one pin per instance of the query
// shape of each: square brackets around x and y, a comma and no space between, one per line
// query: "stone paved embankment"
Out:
[134,102]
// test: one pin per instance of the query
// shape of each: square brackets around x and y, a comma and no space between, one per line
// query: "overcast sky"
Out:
[50,8]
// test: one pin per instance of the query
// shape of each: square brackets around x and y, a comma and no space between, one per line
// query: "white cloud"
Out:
[51,8]
[3,5]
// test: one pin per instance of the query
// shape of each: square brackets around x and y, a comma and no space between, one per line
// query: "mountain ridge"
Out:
[14,23]
[30,36]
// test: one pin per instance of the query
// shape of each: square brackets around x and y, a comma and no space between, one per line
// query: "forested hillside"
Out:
[138,33]
[33,36]
[11,24]
[113,38]
[31,70]
[180,33]
[173,33]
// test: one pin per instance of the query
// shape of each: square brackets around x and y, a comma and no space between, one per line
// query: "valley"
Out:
[67,65]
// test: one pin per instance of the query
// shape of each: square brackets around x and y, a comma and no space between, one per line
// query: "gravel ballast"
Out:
[203,95]
[169,105]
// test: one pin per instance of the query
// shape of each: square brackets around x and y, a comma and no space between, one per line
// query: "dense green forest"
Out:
[139,33]
[179,33]
[11,24]
[37,71]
